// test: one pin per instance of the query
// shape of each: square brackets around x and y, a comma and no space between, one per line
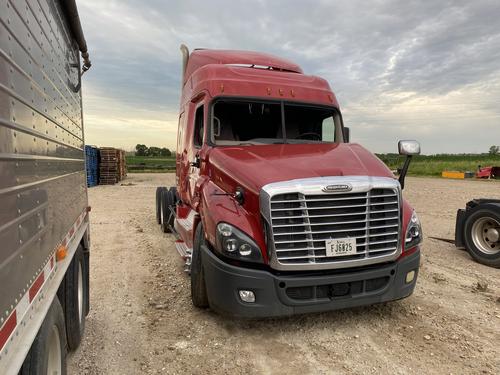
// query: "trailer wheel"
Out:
[198,286]
[158,203]
[47,355]
[75,295]
[482,236]
[167,217]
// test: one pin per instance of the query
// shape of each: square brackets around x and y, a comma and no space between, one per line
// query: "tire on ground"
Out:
[75,294]
[166,203]
[173,199]
[37,360]
[158,203]
[198,286]
[492,256]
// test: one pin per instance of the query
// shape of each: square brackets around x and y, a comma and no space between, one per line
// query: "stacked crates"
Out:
[92,165]
[109,170]
[112,166]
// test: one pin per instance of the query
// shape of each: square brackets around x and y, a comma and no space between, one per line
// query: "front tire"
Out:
[47,355]
[482,235]
[198,286]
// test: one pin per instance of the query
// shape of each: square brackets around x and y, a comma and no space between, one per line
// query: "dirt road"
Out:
[142,320]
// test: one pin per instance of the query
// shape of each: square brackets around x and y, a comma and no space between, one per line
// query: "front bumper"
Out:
[288,295]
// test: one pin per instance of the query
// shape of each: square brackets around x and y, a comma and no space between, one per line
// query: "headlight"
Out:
[233,243]
[413,232]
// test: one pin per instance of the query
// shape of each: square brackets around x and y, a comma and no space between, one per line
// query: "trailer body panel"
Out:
[43,192]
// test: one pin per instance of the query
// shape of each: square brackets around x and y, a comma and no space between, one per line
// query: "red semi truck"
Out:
[275,211]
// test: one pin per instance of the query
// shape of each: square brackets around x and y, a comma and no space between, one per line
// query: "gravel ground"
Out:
[142,320]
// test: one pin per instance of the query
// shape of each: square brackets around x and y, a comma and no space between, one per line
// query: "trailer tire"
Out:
[158,203]
[167,219]
[480,224]
[198,286]
[47,354]
[75,294]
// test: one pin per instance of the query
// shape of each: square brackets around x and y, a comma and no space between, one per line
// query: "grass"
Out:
[433,165]
[142,164]
[422,165]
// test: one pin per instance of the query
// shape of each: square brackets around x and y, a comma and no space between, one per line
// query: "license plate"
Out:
[340,247]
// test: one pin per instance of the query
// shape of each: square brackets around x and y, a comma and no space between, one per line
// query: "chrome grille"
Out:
[300,222]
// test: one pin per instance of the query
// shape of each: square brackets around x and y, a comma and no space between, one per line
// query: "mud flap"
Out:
[459,228]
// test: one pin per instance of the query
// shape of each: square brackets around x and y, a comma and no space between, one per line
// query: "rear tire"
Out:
[167,217]
[158,203]
[482,235]
[198,286]
[75,294]
[47,355]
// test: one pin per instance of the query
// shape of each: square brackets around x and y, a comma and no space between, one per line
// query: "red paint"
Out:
[8,328]
[35,288]
[291,161]
[211,74]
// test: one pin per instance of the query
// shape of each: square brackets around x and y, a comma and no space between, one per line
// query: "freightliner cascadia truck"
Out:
[275,211]
[44,228]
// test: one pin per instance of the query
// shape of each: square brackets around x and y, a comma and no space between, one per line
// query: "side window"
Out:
[198,127]
[328,130]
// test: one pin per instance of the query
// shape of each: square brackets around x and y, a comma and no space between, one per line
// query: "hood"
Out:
[252,167]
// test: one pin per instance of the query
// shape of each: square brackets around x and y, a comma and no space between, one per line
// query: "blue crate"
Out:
[92,165]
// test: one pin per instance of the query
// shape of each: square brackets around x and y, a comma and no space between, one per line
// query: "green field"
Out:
[433,165]
[422,165]
[138,164]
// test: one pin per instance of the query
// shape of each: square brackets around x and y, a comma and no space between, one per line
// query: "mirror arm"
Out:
[404,170]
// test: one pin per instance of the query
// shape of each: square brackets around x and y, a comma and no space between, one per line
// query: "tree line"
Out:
[143,150]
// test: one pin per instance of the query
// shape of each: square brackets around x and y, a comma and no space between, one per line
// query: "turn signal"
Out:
[61,252]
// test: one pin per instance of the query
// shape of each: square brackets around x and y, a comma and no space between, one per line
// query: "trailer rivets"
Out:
[292,92]
[221,87]
[268,91]
[280,92]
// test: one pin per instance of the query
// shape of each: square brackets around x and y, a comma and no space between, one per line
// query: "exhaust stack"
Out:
[185,59]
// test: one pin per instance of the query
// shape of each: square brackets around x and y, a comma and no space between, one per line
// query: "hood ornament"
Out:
[337,188]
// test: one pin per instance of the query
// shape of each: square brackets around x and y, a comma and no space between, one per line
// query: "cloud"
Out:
[426,70]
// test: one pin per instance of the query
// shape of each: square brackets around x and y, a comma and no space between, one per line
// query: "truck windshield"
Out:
[266,122]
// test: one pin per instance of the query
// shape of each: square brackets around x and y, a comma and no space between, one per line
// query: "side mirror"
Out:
[408,148]
[347,135]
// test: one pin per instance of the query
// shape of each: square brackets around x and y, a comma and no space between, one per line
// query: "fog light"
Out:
[410,276]
[247,296]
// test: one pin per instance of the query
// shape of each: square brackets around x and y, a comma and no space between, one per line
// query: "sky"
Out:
[424,70]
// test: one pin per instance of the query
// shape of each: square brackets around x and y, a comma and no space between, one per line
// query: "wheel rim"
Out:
[80,292]
[486,235]
[54,366]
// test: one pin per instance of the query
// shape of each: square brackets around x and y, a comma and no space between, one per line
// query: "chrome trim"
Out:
[314,186]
